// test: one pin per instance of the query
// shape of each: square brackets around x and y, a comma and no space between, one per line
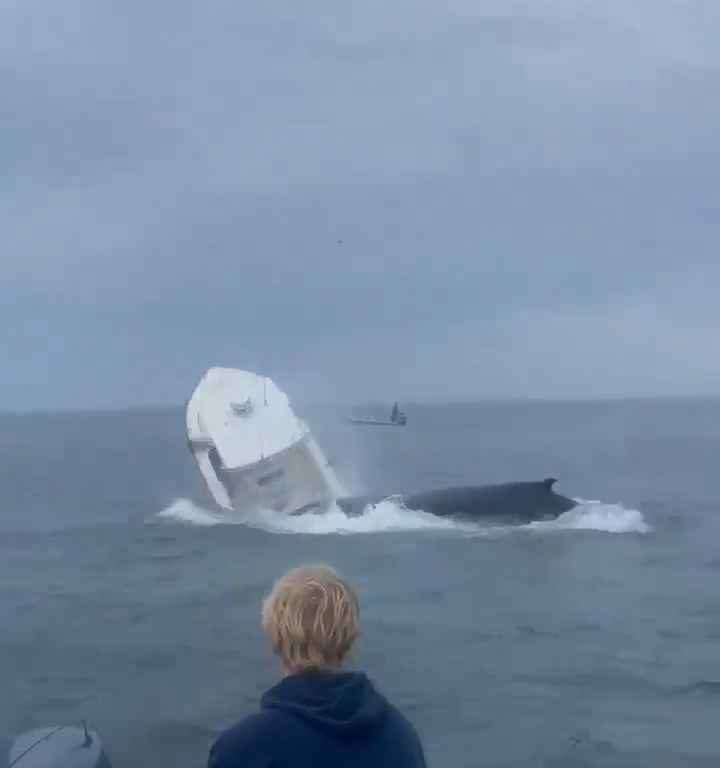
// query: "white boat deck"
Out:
[245,416]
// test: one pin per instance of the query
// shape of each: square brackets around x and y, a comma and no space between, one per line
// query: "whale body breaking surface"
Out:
[521,502]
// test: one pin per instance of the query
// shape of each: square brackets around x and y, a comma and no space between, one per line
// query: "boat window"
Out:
[215,460]
[270,477]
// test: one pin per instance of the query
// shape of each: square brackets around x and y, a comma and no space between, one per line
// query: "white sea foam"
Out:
[595,516]
[185,511]
[391,515]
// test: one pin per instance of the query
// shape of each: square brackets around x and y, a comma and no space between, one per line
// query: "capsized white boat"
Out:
[251,448]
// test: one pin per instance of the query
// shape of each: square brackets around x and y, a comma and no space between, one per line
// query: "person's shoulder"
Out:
[405,735]
[249,742]
[401,723]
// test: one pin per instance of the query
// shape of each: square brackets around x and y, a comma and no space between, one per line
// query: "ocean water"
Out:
[594,640]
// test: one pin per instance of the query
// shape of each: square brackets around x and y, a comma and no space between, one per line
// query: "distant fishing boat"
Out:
[397,419]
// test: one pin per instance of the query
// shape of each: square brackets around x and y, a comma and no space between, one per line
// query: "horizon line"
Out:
[359,403]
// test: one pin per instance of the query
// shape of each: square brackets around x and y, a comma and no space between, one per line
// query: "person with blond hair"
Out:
[319,715]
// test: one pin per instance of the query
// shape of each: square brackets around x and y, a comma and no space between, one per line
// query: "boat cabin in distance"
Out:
[397,419]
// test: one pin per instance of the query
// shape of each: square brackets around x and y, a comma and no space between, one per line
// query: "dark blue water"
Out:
[591,642]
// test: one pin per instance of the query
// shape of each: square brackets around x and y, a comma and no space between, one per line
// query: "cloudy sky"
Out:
[413,199]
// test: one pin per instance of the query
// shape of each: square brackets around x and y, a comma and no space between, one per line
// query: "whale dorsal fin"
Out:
[549,482]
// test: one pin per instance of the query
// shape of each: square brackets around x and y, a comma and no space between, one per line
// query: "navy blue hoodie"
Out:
[319,720]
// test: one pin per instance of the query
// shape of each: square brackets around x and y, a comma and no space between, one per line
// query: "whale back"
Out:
[522,501]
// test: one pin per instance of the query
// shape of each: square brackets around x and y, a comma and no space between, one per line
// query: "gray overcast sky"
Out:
[527,195]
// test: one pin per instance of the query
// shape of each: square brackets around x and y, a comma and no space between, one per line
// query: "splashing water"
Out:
[386,516]
[596,516]
[184,511]
[391,515]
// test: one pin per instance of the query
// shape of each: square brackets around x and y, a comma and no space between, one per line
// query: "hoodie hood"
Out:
[343,703]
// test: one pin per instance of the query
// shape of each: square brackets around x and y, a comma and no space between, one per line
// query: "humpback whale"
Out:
[518,502]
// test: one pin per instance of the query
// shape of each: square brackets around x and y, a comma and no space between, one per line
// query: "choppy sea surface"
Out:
[594,640]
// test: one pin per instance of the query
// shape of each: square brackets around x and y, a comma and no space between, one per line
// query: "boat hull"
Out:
[378,422]
[252,450]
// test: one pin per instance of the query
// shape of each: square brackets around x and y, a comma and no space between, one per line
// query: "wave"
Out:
[391,515]
[701,688]
[185,511]
[595,516]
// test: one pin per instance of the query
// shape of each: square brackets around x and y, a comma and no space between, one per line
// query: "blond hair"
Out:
[312,618]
